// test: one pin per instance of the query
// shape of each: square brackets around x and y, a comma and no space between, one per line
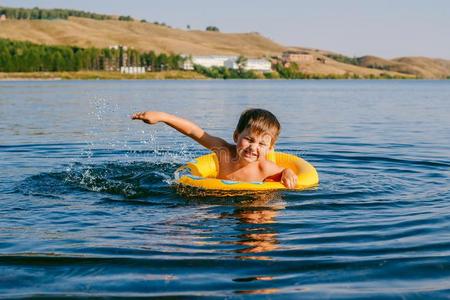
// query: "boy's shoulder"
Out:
[225,152]
[270,170]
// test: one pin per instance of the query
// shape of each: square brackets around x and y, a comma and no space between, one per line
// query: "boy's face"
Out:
[252,147]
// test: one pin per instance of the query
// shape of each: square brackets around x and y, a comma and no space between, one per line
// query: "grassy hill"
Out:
[86,32]
[333,66]
[420,67]
[427,67]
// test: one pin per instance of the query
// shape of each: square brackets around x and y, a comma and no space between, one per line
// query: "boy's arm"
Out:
[184,126]
[273,172]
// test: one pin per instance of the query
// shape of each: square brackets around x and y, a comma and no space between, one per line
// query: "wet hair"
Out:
[259,121]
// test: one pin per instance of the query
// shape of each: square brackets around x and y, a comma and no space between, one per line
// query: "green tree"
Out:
[241,62]
[125,18]
[212,28]
[162,61]
[6,64]
[58,63]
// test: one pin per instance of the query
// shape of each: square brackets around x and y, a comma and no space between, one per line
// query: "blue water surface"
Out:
[88,208]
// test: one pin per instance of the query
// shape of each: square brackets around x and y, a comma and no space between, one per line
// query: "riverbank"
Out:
[94,75]
[175,74]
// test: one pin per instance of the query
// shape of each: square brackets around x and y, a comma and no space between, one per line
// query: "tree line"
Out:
[18,56]
[37,13]
[21,56]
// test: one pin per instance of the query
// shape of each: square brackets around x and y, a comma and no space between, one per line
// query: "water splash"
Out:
[138,149]
[126,180]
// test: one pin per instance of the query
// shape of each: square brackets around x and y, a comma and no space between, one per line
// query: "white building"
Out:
[258,65]
[186,64]
[132,70]
[205,61]
[225,61]
[211,61]
[252,64]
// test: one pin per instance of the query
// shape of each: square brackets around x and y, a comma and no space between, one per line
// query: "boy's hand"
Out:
[288,178]
[149,117]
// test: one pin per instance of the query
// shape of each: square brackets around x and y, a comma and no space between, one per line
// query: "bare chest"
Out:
[248,173]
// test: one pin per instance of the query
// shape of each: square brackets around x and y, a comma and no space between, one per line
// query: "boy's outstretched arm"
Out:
[184,126]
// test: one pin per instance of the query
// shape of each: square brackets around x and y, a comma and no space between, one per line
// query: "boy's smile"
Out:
[250,146]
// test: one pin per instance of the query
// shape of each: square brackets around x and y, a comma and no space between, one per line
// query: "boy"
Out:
[255,135]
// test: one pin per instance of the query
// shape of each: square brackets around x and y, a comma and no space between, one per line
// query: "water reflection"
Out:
[259,291]
[255,218]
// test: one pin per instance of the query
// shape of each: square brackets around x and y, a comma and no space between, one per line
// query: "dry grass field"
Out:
[414,67]
[427,67]
[85,32]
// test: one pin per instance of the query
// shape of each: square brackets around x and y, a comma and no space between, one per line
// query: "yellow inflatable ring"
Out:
[202,172]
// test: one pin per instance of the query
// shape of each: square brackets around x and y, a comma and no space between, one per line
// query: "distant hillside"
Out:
[85,32]
[340,67]
[427,67]
[421,67]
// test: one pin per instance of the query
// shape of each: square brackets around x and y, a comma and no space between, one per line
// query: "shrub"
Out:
[212,28]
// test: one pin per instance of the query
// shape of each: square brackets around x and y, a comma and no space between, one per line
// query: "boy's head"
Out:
[258,121]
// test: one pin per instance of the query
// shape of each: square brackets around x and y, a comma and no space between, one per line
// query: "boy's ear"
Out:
[235,136]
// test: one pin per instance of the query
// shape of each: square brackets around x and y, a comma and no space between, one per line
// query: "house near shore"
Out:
[252,64]
[132,70]
[186,64]
[225,61]
[298,57]
[205,61]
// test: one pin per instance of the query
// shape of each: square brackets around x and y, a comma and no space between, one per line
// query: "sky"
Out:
[386,28]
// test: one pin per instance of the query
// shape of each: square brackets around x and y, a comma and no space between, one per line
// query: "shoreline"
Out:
[163,75]
[29,79]
[97,75]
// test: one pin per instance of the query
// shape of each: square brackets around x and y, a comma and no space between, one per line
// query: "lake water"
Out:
[88,208]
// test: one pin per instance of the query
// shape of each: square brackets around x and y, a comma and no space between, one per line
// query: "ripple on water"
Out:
[88,209]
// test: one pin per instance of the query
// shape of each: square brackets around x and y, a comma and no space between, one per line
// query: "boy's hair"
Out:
[259,121]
